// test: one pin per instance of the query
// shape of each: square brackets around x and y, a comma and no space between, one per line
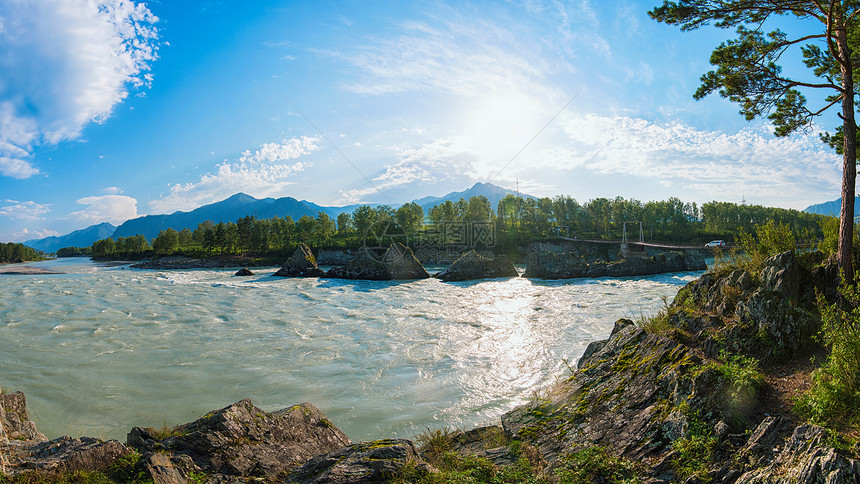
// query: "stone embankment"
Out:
[652,399]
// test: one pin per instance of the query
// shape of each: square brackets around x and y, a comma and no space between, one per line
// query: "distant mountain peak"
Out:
[240,197]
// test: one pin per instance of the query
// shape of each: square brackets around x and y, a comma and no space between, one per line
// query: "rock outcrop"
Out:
[24,449]
[244,441]
[14,419]
[402,264]
[397,262]
[472,265]
[763,315]
[377,461]
[780,451]
[244,272]
[567,265]
[301,264]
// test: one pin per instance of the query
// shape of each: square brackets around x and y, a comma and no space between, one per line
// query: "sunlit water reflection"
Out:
[99,350]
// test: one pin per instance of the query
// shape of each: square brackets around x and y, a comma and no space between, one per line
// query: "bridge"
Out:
[634,249]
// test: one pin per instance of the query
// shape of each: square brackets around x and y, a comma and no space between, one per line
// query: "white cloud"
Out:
[17,168]
[112,190]
[261,173]
[710,163]
[115,209]
[275,152]
[26,234]
[437,161]
[66,64]
[29,210]
[695,164]
[462,55]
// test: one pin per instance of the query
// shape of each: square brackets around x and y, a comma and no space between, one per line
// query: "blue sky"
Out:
[114,109]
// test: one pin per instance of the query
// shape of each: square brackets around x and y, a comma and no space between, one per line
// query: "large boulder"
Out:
[301,264]
[759,318]
[398,262]
[377,461]
[778,451]
[64,454]
[365,265]
[15,423]
[243,440]
[472,265]
[23,448]
[402,264]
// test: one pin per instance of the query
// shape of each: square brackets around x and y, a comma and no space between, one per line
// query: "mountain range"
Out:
[234,208]
[833,208]
[78,238]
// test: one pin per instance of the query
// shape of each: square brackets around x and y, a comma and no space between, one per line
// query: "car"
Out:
[716,243]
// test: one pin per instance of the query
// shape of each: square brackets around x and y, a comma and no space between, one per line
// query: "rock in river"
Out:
[301,264]
[472,265]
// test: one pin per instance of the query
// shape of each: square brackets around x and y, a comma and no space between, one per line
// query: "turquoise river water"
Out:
[101,349]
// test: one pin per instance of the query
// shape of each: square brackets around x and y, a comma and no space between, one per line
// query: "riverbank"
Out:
[658,401]
[25,270]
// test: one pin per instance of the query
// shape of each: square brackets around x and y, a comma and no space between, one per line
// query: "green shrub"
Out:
[695,452]
[752,249]
[834,398]
[830,242]
[167,431]
[595,464]
[746,380]
[129,469]
[126,469]
[435,444]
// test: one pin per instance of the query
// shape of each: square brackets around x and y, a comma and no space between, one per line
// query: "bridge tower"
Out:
[626,252]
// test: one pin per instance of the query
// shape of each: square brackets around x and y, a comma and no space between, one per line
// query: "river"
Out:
[100,349]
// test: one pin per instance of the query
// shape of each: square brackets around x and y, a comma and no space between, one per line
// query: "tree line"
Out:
[13,252]
[514,221]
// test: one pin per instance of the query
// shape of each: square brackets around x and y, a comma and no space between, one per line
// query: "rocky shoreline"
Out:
[653,403]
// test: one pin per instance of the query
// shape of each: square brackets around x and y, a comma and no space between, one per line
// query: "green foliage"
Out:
[596,464]
[661,323]
[126,469]
[435,443]
[830,235]
[753,248]
[132,247]
[746,381]
[516,221]
[14,253]
[129,469]
[695,451]
[74,251]
[747,70]
[410,216]
[466,469]
[166,431]
[37,477]
[166,242]
[834,399]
